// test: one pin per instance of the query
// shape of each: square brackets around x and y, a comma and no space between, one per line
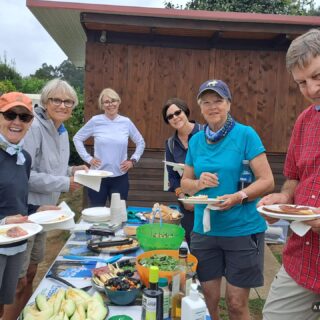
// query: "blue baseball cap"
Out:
[218,86]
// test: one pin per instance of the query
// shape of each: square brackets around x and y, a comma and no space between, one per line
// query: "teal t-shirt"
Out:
[225,159]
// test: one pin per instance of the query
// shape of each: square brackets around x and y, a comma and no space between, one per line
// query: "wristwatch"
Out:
[244,197]
[134,161]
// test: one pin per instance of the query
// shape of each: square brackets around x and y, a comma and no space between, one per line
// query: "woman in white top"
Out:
[111,133]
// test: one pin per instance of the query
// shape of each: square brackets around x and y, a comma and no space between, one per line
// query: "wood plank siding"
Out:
[146,180]
[264,95]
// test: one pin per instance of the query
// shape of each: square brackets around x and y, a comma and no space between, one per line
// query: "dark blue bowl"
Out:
[122,298]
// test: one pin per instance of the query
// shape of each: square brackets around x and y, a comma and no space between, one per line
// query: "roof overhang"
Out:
[71,25]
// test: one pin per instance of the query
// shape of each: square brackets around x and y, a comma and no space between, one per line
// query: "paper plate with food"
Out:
[289,212]
[10,233]
[94,173]
[125,267]
[201,199]
[49,217]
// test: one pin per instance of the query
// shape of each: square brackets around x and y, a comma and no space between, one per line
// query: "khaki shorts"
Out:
[289,301]
[35,252]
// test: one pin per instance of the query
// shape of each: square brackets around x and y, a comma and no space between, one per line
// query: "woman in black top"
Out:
[175,112]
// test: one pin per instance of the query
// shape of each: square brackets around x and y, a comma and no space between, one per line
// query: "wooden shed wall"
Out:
[264,95]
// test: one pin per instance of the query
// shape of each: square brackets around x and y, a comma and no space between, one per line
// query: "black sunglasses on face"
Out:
[11,115]
[176,113]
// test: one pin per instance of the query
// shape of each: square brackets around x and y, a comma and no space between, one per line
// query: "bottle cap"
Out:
[163,282]
[154,274]
[183,252]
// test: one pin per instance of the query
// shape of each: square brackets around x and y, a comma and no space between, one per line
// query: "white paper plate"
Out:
[200,201]
[50,217]
[96,214]
[284,216]
[94,173]
[173,164]
[31,228]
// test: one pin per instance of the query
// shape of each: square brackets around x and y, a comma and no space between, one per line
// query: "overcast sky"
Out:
[24,41]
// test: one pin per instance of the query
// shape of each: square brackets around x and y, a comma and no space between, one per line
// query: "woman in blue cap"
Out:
[227,238]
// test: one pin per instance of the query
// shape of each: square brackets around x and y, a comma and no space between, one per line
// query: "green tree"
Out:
[8,72]
[32,84]
[46,72]
[73,125]
[6,86]
[293,7]
[69,72]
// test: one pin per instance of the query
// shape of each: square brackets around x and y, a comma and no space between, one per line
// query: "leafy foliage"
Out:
[287,7]
[13,81]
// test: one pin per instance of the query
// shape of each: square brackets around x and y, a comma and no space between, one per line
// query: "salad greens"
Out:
[164,262]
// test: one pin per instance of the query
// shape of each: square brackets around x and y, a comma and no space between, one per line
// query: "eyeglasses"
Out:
[11,115]
[107,102]
[57,102]
[176,113]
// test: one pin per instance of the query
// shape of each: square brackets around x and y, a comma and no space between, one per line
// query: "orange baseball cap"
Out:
[14,99]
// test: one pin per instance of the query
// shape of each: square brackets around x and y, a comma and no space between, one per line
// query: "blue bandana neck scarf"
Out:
[221,133]
[13,149]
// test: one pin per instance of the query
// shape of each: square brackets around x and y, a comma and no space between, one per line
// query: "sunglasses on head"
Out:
[171,115]
[11,115]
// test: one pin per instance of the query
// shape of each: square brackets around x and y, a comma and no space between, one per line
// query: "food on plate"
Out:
[290,209]
[124,268]
[67,304]
[199,197]
[14,232]
[122,284]
[130,230]
[166,212]
[60,218]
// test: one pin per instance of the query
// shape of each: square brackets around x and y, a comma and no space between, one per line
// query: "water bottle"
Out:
[246,176]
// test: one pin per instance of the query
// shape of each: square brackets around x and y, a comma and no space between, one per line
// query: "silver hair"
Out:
[58,87]
[303,49]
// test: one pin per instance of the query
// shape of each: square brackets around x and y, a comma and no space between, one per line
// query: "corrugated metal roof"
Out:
[62,20]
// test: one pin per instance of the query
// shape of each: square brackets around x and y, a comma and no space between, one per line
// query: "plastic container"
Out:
[160,236]
[192,306]
[277,232]
[144,271]
[163,284]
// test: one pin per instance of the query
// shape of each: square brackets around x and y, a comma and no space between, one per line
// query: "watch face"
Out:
[244,200]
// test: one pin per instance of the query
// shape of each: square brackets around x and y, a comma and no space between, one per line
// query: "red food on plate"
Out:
[16,232]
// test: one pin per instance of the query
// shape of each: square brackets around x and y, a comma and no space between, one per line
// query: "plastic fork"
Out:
[88,259]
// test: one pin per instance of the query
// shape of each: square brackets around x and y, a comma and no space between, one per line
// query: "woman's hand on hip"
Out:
[126,165]
[208,180]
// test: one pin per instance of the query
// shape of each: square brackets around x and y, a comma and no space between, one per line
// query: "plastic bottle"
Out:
[152,298]
[181,282]
[192,306]
[163,284]
[246,176]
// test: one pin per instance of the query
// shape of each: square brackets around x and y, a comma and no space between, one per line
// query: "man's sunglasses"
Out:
[11,115]
[171,115]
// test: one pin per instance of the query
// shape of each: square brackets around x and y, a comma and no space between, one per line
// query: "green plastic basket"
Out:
[160,236]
